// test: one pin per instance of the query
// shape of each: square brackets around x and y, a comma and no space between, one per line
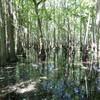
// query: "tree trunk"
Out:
[2,35]
[98,13]
[10,32]
[98,29]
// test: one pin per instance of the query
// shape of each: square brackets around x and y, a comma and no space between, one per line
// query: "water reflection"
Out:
[54,81]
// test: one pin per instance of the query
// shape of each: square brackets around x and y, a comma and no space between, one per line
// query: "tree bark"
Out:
[11,32]
[98,13]
[2,35]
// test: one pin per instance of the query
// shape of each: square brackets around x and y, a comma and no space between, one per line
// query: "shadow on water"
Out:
[48,80]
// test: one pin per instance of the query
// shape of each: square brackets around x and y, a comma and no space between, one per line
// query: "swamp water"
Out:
[57,80]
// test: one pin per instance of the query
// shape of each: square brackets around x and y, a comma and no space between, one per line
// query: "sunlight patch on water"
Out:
[30,87]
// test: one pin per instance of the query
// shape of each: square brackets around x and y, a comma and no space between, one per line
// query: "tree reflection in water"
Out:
[60,82]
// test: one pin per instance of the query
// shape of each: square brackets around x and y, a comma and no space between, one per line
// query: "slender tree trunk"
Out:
[11,32]
[2,35]
[98,28]
[98,13]
[36,4]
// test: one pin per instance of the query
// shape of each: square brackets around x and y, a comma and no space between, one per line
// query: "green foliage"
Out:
[55,16]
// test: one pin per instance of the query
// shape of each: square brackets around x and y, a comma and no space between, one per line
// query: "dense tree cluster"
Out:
[45,25]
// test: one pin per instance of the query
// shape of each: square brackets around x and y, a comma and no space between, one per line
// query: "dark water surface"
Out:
[53,79]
